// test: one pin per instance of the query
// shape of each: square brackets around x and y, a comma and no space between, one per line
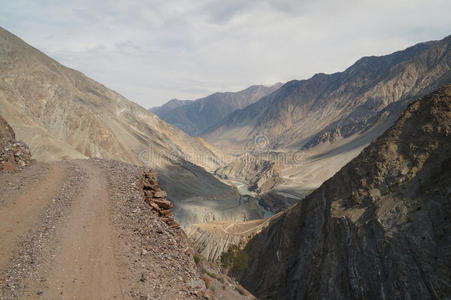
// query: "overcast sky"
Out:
[153,51]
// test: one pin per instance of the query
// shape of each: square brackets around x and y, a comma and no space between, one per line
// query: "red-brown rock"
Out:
[165,204]
[160,194]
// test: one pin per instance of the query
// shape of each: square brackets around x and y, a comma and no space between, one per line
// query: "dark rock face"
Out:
[378,229]
[13,154]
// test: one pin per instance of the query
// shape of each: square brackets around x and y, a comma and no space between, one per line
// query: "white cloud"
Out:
[152,51]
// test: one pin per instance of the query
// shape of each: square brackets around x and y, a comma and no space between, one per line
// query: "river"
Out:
[244,191]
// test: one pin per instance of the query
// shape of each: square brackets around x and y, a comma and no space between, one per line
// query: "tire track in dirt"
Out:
[19,217]
[85,266]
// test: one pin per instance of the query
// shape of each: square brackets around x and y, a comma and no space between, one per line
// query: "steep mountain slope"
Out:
[196,116]
[327,108]
[378,229]
[54,108]
[62,114]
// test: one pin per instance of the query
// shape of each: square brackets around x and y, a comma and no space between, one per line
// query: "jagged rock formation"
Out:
[194,117]
[326,109]
[261,175]
[156,198]
[13,154]
[378,229]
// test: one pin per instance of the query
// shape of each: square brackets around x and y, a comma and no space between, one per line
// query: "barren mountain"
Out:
[328,108]
[315,126]
[378,229]
[194,117]
[62,114]
[168,106]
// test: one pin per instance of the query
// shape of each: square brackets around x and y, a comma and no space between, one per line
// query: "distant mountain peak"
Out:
[195,116]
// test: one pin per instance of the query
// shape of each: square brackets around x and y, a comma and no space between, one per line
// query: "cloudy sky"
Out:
[152,51]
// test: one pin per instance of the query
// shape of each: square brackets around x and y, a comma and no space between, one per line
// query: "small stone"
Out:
[165,204]
[160,194]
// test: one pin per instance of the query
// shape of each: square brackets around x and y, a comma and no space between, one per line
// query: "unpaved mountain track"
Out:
[18,217]
[85,263]
[82,264]
[85,232]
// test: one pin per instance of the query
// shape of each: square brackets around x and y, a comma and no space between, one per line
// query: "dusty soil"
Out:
[81,230]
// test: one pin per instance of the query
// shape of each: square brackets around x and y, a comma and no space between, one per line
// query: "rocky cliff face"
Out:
[13,154]
[326,109]
[378,229]
[193,117]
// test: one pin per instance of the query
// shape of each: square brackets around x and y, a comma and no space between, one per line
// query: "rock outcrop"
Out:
[159,255]
[378,229]
[157,199]
[13,154]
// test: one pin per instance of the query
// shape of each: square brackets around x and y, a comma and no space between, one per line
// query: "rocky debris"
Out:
[158,256]
[160,259]
[13,154]
[156,198]
[378,229]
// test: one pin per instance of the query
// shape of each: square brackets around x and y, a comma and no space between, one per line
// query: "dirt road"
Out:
[82,230]
[83,265]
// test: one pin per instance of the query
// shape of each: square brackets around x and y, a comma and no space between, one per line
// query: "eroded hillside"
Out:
[377,229]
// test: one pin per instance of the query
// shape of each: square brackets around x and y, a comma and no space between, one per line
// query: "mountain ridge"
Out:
[194,116]
[347,98]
